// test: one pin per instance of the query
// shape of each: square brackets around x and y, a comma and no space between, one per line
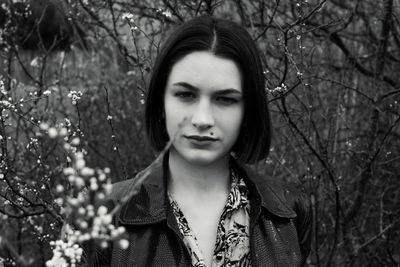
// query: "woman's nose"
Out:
[202,117]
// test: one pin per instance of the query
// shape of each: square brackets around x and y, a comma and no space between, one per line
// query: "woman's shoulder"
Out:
[292,193]
[287,200]
[284,199]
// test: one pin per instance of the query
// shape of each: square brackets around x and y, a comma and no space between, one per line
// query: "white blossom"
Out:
[167,14]
[52,132]
[35,62]
[60,188]
[128,16]
[86,171]
[75,96]
[75,141]
[44,126]
[124,244]
[102,210]
[64,253]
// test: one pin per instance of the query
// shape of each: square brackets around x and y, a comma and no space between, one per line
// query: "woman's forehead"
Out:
[205,70]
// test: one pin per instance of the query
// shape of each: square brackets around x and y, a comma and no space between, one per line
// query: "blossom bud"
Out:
[124,244]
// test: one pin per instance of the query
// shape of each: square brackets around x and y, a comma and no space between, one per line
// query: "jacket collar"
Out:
[150,204]
[270,193]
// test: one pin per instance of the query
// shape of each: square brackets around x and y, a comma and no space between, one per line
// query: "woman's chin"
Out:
[200,157]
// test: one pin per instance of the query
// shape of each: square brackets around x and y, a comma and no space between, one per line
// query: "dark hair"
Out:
[228,40]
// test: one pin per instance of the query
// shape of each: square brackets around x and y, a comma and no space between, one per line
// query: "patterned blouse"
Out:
[232,243]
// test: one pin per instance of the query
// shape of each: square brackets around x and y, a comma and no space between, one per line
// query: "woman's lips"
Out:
[201,140]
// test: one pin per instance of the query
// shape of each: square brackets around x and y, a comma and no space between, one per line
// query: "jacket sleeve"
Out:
[302,206]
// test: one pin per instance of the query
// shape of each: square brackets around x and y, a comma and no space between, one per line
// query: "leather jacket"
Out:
[280,224]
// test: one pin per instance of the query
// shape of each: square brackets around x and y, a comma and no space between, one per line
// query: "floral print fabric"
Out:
[232,242]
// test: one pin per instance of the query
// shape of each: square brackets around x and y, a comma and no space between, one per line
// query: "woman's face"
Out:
[206,90]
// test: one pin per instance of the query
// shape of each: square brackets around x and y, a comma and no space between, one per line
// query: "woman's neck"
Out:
[198,180]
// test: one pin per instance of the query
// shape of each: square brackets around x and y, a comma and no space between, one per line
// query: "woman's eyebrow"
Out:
[194,88]
[228,91]
[186,85]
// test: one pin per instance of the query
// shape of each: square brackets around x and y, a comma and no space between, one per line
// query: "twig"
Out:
[136,182]
[372,239]
[114,137]
[384,139]
[330,175]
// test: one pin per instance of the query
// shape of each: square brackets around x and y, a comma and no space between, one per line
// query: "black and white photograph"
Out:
[199,133]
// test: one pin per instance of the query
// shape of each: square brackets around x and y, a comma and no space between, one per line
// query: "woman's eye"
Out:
[226,100]
[185,95]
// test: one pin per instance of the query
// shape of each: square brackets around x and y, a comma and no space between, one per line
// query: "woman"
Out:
[201,207]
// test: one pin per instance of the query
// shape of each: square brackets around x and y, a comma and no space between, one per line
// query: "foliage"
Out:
[78,93]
